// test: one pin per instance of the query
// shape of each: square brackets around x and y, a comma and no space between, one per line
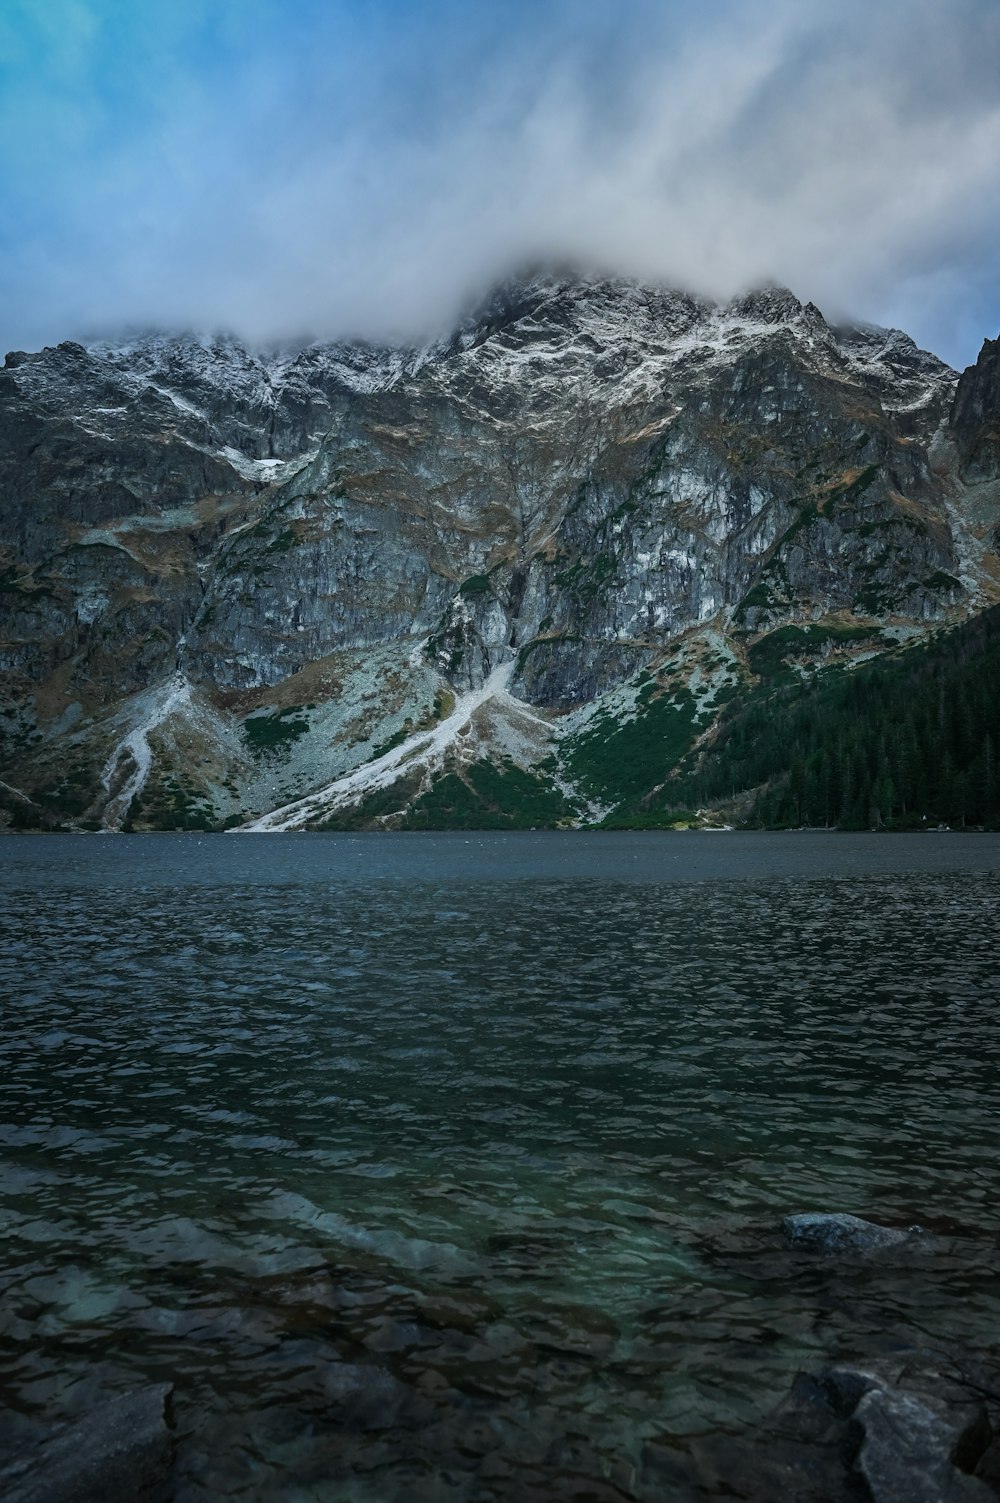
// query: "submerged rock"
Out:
[120,1452]
[837,1232]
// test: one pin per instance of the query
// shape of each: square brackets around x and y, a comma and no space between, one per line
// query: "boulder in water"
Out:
[908,1450]
[837,1233]
[917,1430]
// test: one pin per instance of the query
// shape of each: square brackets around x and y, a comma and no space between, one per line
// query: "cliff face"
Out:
[975,416]
[333,582]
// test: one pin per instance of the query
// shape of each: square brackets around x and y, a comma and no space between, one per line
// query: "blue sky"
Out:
[282,167]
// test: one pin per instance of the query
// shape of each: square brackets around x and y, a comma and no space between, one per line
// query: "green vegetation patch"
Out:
[283,541]
[24,814]
[245,551]
[770,655]
[939,582]
[443,705]
[483,796]
[809,513]
[172,802]
[885,524]
[71,795]
[588,578]
[621,763]
[858,486]
[772,591]
[272,734]
[383,803]
[486,796]
[666,818]
[276,538]
[878,600]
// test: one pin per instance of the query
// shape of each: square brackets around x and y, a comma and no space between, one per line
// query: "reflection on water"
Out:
[422,1177]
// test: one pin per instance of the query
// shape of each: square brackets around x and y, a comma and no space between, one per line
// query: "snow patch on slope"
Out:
[133,756]
[514,728]
[270,471]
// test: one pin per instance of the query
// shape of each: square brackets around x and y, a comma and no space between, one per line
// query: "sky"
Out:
[365,168]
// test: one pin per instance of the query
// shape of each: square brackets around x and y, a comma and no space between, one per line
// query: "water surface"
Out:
[450,1167]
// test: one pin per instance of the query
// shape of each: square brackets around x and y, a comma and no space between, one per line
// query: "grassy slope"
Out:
[907,739]
[482,796]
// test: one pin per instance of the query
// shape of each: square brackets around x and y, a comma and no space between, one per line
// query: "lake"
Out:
[452,1166]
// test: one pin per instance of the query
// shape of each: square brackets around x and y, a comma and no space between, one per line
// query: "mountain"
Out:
[531,574]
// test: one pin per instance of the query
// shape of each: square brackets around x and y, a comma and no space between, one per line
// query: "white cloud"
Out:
[852,152]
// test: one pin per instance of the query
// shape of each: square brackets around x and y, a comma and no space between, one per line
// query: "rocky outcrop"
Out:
[588,479]
[975,416]
[908,1449]
[914,1430]
[120,1452]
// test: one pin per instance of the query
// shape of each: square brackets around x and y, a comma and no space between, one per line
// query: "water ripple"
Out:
[464,1186]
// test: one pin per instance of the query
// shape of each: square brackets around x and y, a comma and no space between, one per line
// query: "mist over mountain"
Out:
[362,172]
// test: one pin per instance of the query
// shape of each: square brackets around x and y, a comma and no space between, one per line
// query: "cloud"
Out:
[364,169]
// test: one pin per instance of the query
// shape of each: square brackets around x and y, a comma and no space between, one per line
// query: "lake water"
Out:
[451,1167]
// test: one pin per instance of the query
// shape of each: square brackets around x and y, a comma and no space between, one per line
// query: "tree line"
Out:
[910,739]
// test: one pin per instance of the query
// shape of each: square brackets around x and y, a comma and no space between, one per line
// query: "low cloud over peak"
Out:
[364,170]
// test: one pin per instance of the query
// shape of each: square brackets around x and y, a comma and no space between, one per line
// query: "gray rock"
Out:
[120,1452]
[836,1233]
[906,1455]
[802,1452]
[974,416]
[903,1431]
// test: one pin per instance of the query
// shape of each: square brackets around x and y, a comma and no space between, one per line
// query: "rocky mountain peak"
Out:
[349,567]
[767,305]
[975,415]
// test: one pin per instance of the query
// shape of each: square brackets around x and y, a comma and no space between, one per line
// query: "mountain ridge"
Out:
[590,485]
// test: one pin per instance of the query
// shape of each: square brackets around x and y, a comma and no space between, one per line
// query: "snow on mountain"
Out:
[336,546]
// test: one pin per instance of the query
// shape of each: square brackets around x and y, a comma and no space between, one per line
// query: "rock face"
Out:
[975,417]
[119,1453]
[229,580]
[914,1430]
[907,1452]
